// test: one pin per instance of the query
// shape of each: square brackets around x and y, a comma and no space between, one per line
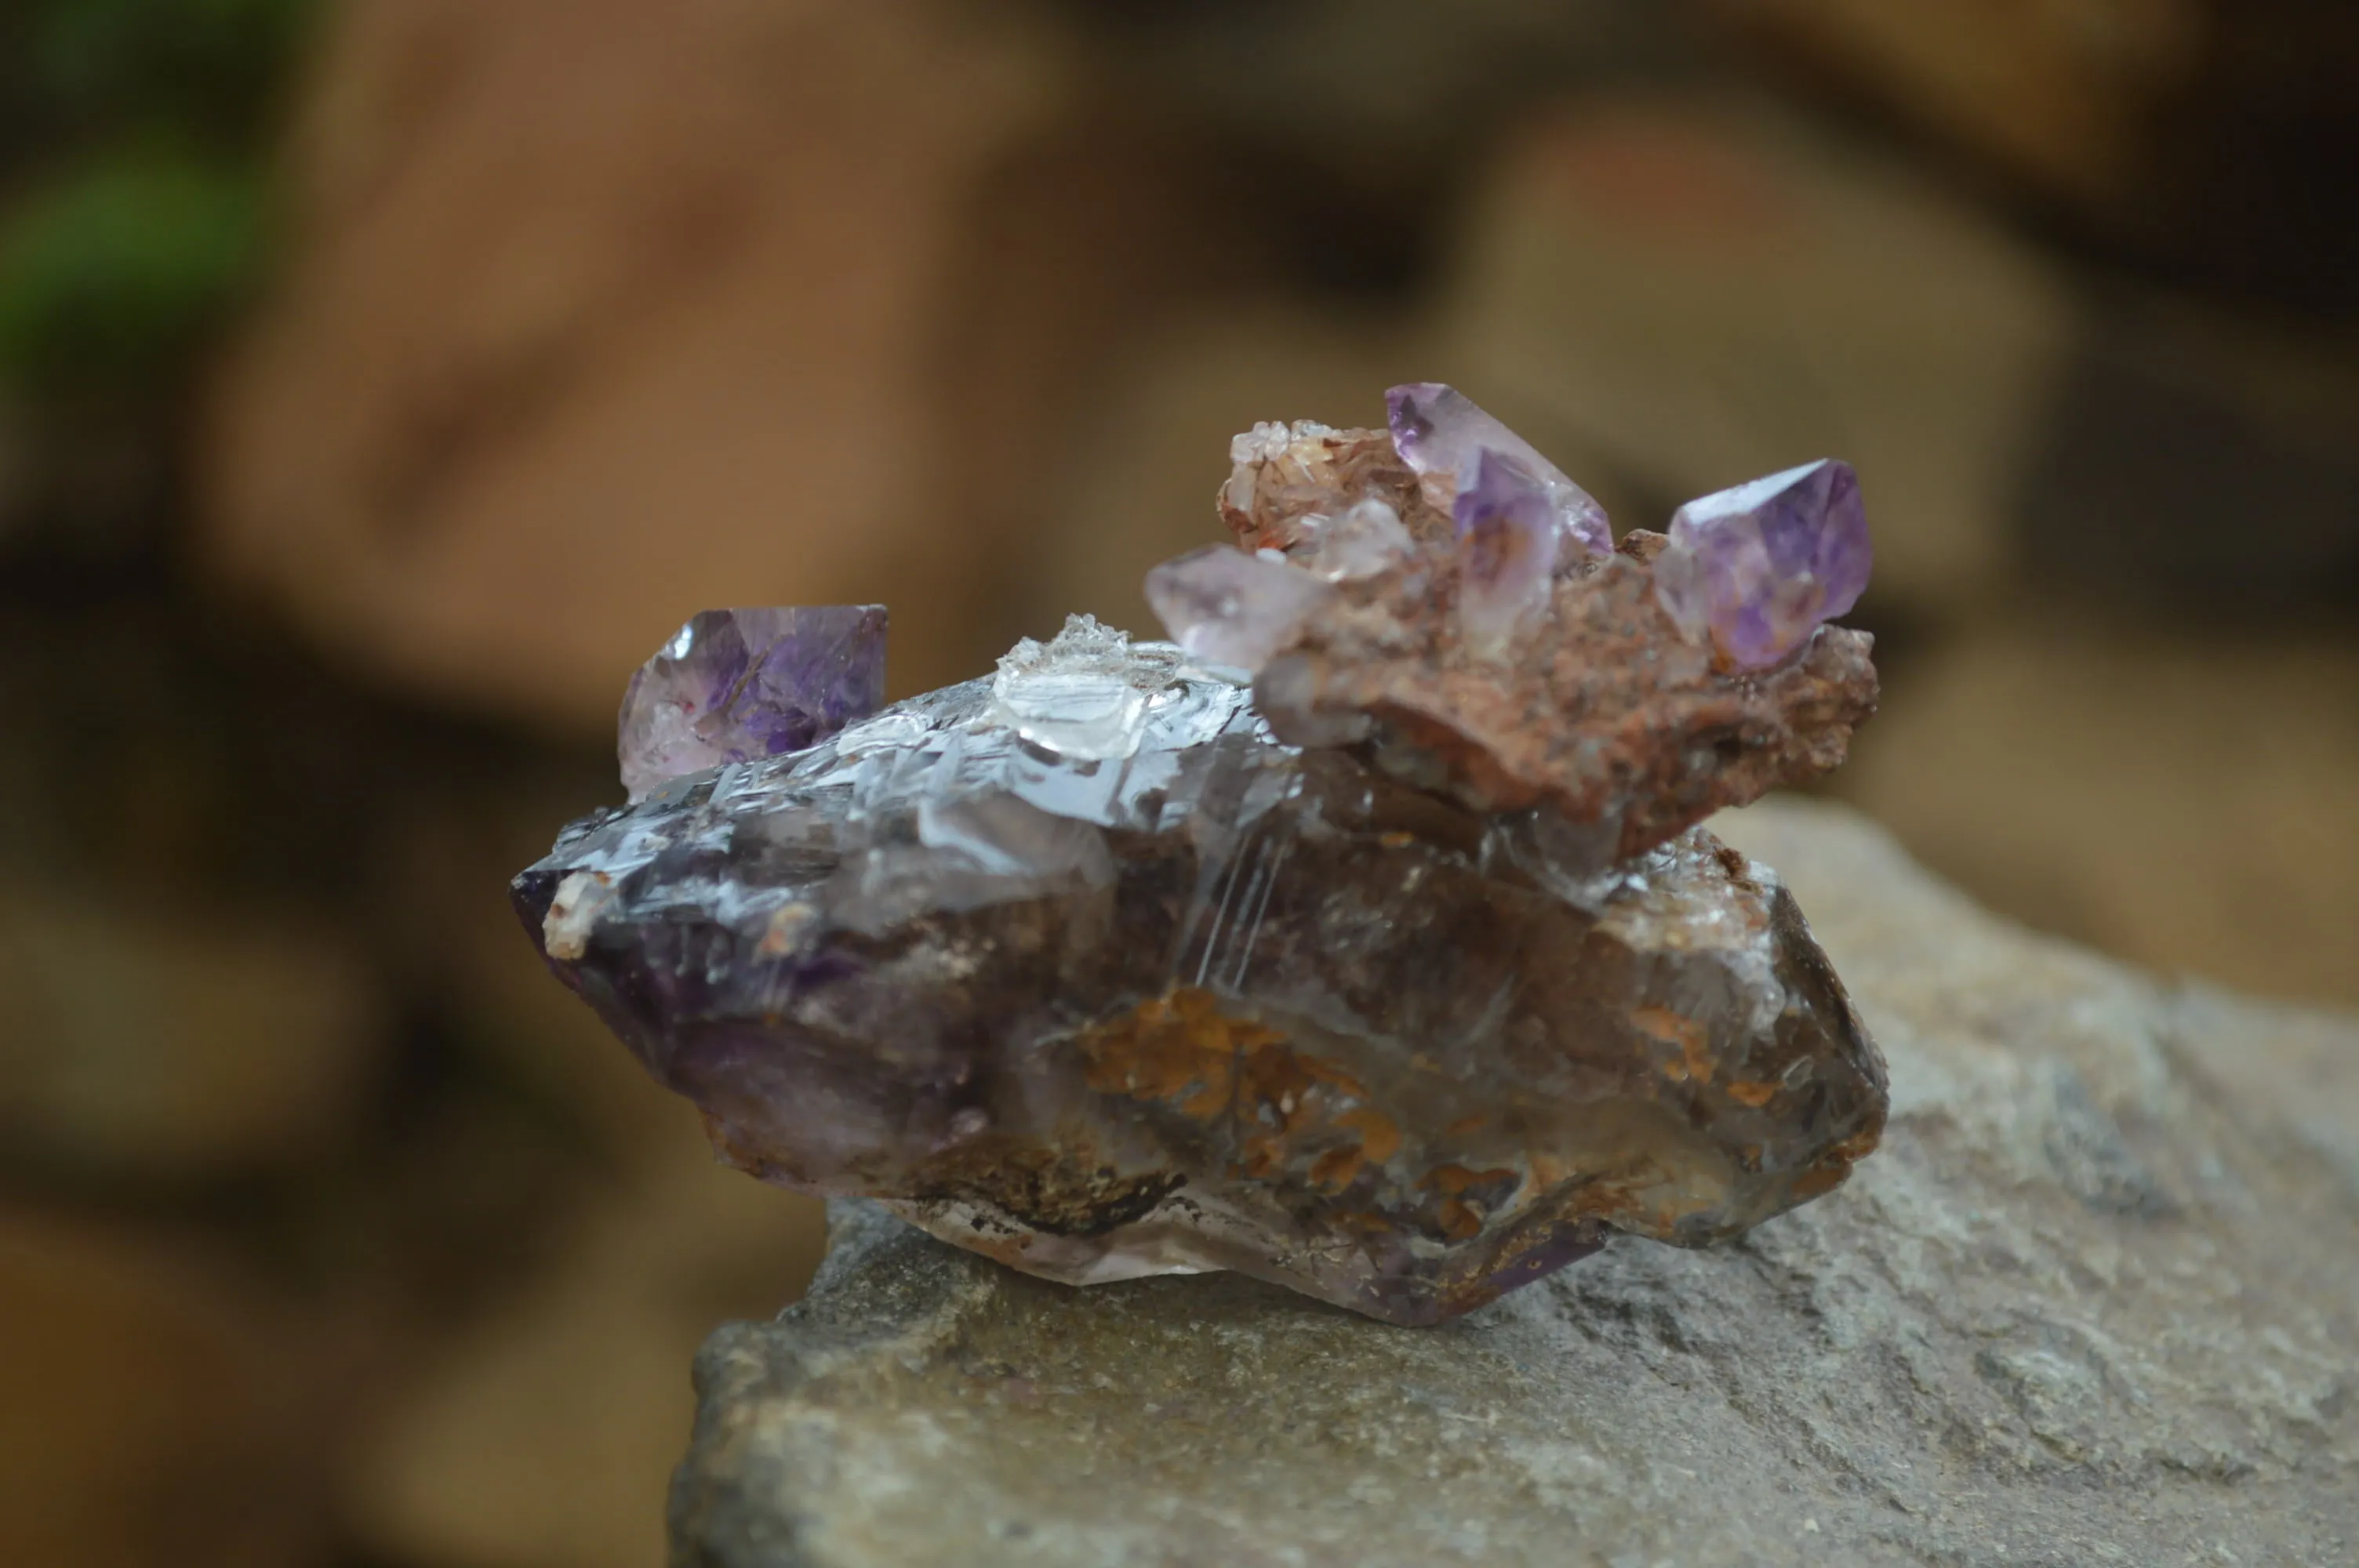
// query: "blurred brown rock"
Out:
[443,916]
[602,313]
[2211,140]
[2186,804]
[1383,97]
[143,1045]
[2198,457]
[1691,296]
[1146,459]
[2062,91]
[144,1413]
[545,1435]
[1098,237]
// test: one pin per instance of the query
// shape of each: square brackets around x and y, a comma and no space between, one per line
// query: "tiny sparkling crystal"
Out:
[1761,567]
[735,685]
[1443,435]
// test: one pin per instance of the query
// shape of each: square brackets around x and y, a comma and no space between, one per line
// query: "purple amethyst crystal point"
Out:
[1441,435]
[735,685]
[1229,608]
[1506,551]
[1760,567]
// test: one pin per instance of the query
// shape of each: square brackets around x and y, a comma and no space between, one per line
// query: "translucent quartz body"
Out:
[1079,967]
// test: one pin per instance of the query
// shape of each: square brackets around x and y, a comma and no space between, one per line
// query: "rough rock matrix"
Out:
[1362,942]
[2096,1302]
[1618,715]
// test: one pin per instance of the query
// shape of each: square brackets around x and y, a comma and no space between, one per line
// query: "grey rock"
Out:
[2096,1300]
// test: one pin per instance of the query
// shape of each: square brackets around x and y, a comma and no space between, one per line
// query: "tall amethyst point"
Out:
[1761,567]
[735,685]
[1230,608]
[1442,436]
[1506,550]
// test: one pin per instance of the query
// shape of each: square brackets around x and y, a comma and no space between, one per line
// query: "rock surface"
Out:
[2095,1303]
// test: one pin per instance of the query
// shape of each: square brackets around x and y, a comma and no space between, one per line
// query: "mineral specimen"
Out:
[1761,567]
[1400,975]
[733,685]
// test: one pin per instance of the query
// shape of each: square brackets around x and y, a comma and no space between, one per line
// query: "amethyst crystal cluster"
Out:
[1362,941]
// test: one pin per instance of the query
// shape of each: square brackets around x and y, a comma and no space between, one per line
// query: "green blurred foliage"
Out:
[108,275]
[133,179]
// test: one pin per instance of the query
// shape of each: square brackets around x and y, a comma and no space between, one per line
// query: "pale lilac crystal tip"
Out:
[1230,608]
[1506,550]
[1761,567]
[1442,436]
[735,685]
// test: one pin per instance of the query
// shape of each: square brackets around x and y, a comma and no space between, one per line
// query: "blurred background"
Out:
[382,380]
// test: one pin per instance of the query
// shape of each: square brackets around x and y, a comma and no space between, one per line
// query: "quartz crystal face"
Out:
[1365,941]
[1229,608]
[1759,568]
[1440,434]
[1189,998]
[734,685]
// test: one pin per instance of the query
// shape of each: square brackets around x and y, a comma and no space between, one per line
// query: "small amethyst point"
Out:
[1230,608]
[1761,567]
[1506,551]
[735,685]
[1442,436]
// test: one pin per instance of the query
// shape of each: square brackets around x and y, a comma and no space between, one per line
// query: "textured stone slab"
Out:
[2095,1303]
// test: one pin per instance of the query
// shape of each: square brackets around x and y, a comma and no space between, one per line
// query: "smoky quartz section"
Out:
[1147,990]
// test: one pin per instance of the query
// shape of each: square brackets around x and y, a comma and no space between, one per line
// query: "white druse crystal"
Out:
[1083,695]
